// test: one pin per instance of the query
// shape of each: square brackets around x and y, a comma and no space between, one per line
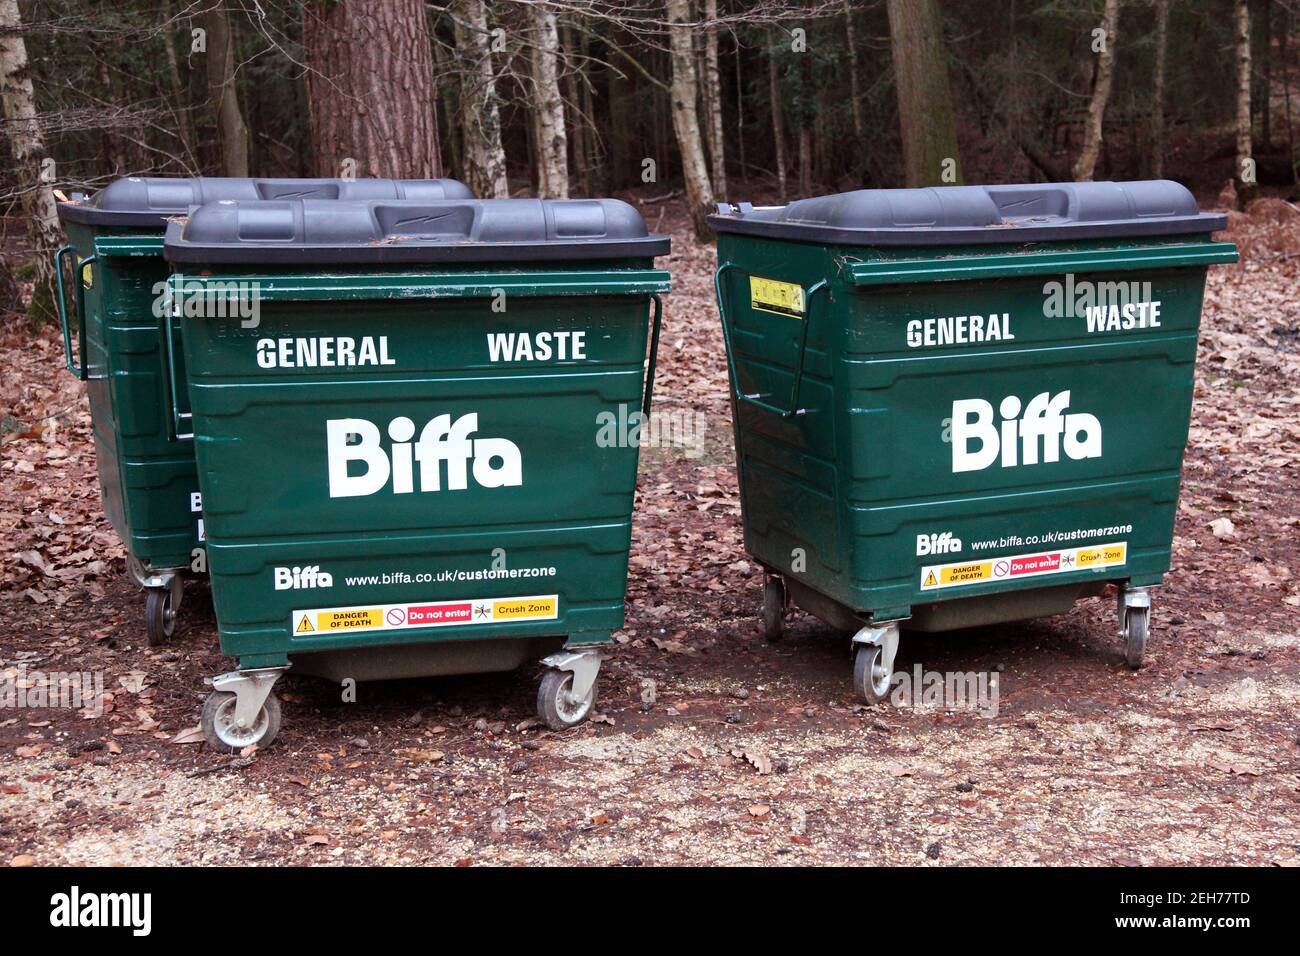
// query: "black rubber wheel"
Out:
[1137,627]
[554,705]
[218,723]
[871,682]
[773,609]
[159,615]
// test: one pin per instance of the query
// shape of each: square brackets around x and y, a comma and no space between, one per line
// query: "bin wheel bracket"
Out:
[252,717]
[567,694]
[1134,623]
[875,647]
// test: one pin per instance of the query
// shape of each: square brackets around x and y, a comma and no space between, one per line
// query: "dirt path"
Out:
[749,752]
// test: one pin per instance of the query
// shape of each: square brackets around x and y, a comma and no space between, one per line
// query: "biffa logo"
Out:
[977,442]
[496,461]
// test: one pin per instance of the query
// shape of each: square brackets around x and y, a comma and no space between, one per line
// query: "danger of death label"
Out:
[772,295]
[1017,566]
[409,614]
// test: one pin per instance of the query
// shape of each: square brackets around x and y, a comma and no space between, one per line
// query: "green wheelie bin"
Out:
[405,464]
[962,406]
[146,470]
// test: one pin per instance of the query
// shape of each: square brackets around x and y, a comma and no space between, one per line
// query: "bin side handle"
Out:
[77,368]
[657,316]
[756,398]
[176,418]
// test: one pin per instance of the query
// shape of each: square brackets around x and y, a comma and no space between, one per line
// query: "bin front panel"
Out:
[1007,432]
[459,459]
[154,515]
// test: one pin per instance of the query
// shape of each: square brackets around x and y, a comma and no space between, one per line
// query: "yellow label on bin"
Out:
[772,295]
[523,608]
[431,613]
[349,620]
[1014,567]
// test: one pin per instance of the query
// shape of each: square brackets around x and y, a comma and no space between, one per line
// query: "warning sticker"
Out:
[1024,566]
[771,295]
[397,617]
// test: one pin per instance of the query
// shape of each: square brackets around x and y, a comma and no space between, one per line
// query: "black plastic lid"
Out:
[382,232]
[949,215]
[144,201]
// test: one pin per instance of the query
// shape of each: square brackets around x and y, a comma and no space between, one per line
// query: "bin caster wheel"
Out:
[871,679]
[223,734]
[773,609]
[160,609]
[1137,625]
[556,704]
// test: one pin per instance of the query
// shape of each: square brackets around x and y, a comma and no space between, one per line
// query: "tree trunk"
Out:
[713,102]
[370,88]
[114,158]
[573,83]
[548,104]
[480,113]
[778,118]
[1158,99]
[855,93]
[231,130]
[594,158]
[805,161]
[450,88]
[740,112]
[1286,92]
[179,105]
[1087,161]
[686,120]
[1264,29]
[924,99]
[1245,181]
[23,130]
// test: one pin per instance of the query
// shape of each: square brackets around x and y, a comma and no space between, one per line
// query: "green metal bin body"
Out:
[401,464]
[933,420]
[147,477]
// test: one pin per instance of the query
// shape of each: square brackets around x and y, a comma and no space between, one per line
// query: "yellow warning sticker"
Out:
[523,609]
[965,573]
[772,295]
[1032,565]
[349,619]
[439,613]
[1101,557]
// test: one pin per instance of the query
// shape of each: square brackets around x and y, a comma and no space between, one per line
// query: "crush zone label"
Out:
[1017,566]
[409,614]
